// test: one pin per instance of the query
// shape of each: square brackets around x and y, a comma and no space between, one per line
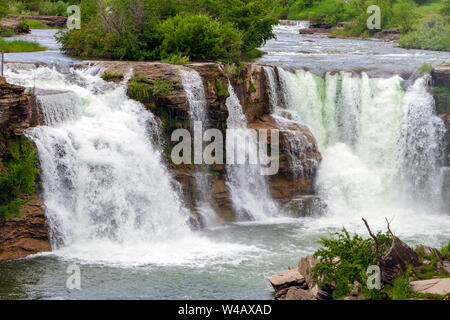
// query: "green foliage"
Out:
[20,46]
[111,75]
[43,7]
[401,289]
[433,34]
[177,59]
[221,30]
[222,91]
[141,90]
[425,68]
[445,11]
[34,24]
[200,37]
[20,176]
[356,255]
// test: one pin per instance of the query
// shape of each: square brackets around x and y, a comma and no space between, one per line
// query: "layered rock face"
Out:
[28,233]
[441,83]
[252,88]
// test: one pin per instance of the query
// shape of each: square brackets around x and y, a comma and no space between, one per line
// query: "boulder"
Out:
[297,293]
[429,251]
[434,286]
[287,278]
[304,268]
[397,259]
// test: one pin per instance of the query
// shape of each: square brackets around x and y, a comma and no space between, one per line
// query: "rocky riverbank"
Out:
[300,283]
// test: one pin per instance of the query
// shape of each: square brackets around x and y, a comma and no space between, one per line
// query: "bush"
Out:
[356,255]
[200,37]
[111,75]
[20,176]
[401,289]
[433,34]
[143,91]
[178,59]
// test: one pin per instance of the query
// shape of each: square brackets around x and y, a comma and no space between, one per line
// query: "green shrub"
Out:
[401,289]
[433,34]
[20,176]
[356,255]
[177,59]
[143,91]
[425,68]
[112,75]
[200,37]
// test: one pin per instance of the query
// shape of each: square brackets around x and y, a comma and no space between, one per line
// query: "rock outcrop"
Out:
[441,83]
[433,286]
[252,88]
[28,233]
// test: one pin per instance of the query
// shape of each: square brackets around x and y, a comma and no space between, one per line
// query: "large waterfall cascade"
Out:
[381,146]
[107,192]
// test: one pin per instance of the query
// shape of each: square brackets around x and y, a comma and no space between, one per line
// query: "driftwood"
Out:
[397,259]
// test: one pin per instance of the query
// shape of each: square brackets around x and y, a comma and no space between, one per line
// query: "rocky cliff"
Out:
[441,83]
[291,189]
[28,233]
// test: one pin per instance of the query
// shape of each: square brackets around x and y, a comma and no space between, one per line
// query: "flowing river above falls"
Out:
[362,175]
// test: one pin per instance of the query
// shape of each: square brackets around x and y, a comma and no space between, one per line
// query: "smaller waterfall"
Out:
[196,97]
[248,188]
[288,122]
[59,107]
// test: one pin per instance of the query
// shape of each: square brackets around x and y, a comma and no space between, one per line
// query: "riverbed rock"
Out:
[434,286]
[297,293]
[388,35]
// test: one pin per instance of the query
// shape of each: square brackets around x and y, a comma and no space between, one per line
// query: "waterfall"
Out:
[422,149]
[248,188]
[196,97]
[109,197]
[381,146]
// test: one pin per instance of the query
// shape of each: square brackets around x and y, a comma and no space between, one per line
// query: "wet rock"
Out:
[388,35]
[434,286]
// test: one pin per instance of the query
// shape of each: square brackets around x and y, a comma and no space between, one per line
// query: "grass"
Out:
[20,46]
[34,24]
[432,7]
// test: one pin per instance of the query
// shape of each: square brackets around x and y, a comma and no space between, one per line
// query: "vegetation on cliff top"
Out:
[224,30]
[18,172]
